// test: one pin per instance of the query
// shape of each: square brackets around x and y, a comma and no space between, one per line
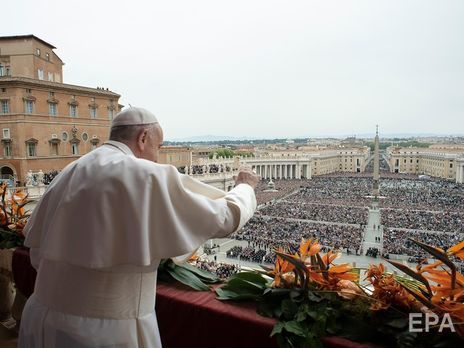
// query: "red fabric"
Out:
[188,318]
[23,273]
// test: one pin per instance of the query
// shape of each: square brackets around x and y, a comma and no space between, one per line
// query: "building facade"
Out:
[46,124]
[439,161]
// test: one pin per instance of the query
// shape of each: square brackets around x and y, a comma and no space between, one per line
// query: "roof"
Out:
[43,83]
[19,37]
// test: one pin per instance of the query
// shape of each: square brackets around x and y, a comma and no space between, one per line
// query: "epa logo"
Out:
[420,321]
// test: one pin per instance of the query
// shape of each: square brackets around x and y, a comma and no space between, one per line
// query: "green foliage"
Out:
[397,142]
[186,274]
[243,286]
[10,239]
[226,153]
[306,315]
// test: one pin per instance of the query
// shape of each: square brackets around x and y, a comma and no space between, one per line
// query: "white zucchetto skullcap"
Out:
[134,117]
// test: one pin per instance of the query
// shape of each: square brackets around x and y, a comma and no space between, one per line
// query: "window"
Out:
[51,94]
[73,110]
[29,106]
[6,133]
[94,146]
[47,56]
[74,149]
[93,112]
[31,149]
[64,136]
[110,114]
[37,51]
[40,74]
[7,150]
[52,109]
[3,90]
[85,136]
[28,91]
[54,149]
[50,76]
[5,107]
[1,70]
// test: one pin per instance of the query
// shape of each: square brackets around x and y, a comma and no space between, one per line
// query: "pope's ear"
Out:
[142,138]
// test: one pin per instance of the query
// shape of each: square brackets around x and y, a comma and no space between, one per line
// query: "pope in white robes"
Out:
[97,235]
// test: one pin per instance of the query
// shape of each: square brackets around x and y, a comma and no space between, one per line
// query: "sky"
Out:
[264,69]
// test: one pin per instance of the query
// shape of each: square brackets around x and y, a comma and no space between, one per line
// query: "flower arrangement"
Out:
[13,217]
[312,297]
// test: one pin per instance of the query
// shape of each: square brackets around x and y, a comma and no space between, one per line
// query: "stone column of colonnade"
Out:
[460,173]
[287,171]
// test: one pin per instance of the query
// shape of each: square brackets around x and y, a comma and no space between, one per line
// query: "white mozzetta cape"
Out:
[97,236]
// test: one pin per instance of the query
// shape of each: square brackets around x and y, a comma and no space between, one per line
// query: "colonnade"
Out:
[460,173]
[283,171]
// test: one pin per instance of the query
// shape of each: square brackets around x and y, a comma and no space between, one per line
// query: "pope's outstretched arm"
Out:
[223,213]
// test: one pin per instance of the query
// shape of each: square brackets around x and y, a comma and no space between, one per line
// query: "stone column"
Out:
[291,171]
[285,171]
[460,173]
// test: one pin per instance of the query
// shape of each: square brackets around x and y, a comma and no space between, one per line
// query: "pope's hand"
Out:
[246,176]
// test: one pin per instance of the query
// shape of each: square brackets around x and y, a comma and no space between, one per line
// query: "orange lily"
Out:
[308,248]
[281,267]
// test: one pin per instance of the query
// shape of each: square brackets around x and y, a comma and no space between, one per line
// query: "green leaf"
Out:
[440,255]
[276,293]
[277,329]
[398,323]
[297,295]
[289,309]
[224,295]
[240,288]
[266,309]
[251,277]
[188,278]
[413,274]
[314,297]
[205,276]
[295,327]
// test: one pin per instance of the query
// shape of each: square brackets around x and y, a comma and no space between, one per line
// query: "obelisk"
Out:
[375,186]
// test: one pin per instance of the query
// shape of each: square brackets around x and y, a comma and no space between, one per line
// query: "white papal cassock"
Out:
[96,239]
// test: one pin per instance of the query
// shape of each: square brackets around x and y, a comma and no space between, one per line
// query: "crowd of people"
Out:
[317,212]
[222,270]
[373,252]
[410,208]
[205,169]
[423,220]
[268,234]
[396,241]
[48,177]
[282,188]
[436,195]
